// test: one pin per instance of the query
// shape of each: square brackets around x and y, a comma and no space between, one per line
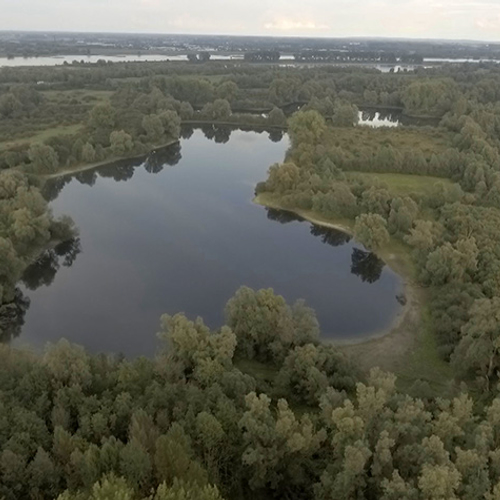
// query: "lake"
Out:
[92,59]
[179,232]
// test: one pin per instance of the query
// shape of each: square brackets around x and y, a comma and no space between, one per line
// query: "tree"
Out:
[102,117]
[101,122]
[371,231]
[67,364]
[277,117]
[308,371]
[306,127]
[479,348]
[278,448]
[220,109]
[171,124]
[345,115]
[283,178]
[10,106]
[430,96]
[121,143]
[402,214]
[265,327]
[11,267]
[452,263]
[182,490]
[88,153]
[227,90]
[174,459]
[423,236]
[153,127]
[195,353]
[43,158]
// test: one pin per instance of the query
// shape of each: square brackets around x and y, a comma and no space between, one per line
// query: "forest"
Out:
[262,407]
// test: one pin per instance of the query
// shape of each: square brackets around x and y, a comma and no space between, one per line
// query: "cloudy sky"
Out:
[465,19]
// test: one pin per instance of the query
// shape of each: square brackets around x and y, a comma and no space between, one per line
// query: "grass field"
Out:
[424,363]
[42,135]
[362,139]
[403,184]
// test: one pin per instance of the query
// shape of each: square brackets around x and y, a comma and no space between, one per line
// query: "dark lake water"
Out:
[179,232]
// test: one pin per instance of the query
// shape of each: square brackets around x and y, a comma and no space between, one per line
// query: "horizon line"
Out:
[289,36]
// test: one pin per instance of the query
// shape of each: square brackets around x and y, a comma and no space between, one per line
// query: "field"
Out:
[425,139]
[41,136]
[404,184]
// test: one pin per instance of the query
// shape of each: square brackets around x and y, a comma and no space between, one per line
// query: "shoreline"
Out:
[109,161]
[386,347]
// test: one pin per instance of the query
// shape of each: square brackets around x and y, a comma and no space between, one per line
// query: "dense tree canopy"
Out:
[260,408]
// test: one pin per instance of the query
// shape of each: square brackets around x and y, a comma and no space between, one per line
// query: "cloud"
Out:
[473,19]
[491,24]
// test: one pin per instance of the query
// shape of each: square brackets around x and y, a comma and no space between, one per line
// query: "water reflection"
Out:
[12,316]
[221,134]
[379,116]
[121,170]
[282,216]
[374,118]
[43,271]
[366,265]
[157,159]
[330,236]
[276,135]
[88,177]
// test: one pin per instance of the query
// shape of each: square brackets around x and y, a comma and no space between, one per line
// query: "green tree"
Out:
[306,127]
[345,115]
[43,159]
[219,110]
[277,117]
[101,122]
[171,123]
[452,263]
[264,325]
[121,143]
[371,231]
[153,127]
[479,349]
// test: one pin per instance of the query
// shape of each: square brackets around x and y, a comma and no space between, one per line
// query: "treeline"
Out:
[194,423]
[343,56]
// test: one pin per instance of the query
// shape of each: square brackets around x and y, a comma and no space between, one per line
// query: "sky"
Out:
[451,19]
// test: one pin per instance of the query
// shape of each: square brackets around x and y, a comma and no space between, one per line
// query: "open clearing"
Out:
[42,136]
[404,184]
[361,139]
